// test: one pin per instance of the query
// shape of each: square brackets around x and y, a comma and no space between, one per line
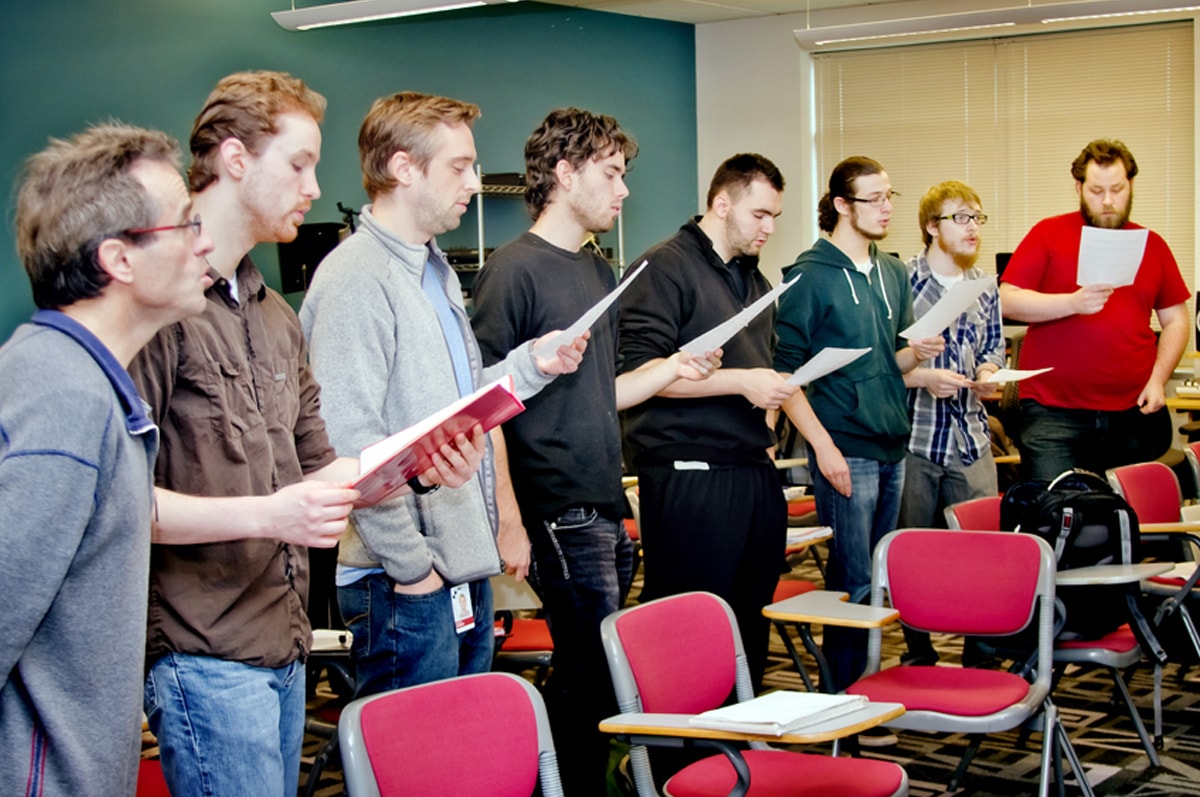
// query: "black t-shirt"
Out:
[565,449]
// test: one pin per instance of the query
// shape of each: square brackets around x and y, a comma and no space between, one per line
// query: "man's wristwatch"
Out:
[419,489]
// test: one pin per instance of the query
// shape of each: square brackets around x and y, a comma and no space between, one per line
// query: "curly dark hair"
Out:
[573,135]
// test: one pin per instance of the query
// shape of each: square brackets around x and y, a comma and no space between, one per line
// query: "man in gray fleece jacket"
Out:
[114,252]
[391,344]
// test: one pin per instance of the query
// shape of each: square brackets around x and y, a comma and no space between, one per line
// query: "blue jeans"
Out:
[404,640]
[582,568]
[859,523]
[1053,439]
[225,728]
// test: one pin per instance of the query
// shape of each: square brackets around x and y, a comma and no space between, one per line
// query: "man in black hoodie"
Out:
[852,295]
[713,516]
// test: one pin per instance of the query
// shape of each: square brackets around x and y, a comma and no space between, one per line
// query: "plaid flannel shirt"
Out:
[973,339]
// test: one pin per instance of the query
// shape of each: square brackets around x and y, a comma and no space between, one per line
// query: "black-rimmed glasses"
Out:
[875,201]
[194,225]
[967,218]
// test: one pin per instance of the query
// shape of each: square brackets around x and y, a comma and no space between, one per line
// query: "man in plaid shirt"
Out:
[949,454]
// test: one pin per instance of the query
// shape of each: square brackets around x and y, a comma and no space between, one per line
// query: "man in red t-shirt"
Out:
[1103,405]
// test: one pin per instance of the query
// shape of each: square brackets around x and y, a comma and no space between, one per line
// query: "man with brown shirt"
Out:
[246,478]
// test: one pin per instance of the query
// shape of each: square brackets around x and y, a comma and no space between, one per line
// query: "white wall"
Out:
[753,94]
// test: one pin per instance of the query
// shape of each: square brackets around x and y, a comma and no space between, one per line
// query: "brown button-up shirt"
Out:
[238,410]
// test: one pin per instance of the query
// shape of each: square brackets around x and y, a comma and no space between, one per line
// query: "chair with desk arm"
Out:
[986,584]
[1152,489]
[1118,651]
[678,656]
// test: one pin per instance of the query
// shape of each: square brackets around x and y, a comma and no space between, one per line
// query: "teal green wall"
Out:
[66,63]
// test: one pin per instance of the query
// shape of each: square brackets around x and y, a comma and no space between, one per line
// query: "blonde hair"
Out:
[935,199]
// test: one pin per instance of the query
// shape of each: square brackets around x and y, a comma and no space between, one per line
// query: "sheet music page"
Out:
[548,349]
[956,301]
[1110,257]
[719,335]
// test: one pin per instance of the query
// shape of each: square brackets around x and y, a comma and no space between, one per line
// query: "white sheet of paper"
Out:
[719,335]
[826,361]
[1013,375]
[954,303]
[547,350]
[1110,257]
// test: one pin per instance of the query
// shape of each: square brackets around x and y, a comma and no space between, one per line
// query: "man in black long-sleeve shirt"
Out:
[713,516]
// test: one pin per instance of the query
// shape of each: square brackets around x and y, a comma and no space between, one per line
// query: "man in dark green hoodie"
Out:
[855,420]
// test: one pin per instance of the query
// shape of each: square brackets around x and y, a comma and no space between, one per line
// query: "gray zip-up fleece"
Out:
[378,351]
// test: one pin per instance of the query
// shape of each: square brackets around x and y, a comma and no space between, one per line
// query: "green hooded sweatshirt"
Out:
[862,405]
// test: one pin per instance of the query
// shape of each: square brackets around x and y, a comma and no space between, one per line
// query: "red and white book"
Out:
[385,466]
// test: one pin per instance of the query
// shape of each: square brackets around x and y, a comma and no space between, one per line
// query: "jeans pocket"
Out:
[573,519]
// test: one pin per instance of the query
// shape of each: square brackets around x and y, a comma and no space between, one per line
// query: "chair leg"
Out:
[1138,725]
[1064,741]
[326,754]
[968,756]
[781,629]
[1158,721]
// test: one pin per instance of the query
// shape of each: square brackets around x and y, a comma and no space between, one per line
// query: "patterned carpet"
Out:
[1005,765]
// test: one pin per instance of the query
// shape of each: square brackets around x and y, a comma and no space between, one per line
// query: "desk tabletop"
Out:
[1181,527]
[677,725]
[829,608]
[1110,574]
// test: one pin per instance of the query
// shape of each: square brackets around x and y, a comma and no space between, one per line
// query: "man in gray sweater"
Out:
[114,251]
[390,342]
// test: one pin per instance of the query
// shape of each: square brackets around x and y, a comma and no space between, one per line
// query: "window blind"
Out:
[1008,115]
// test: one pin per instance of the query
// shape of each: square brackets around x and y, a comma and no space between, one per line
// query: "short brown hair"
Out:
[572,135]
[75,194]
[841,184]
[935,199]
[405,122]
[1104,151]
[738,173]
[245,106]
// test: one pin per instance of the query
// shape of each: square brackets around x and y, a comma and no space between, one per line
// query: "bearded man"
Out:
[1103,405]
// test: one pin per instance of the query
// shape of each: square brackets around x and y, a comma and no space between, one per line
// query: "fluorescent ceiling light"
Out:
[938,31]
[1113,14]
[868,24]
[367,11]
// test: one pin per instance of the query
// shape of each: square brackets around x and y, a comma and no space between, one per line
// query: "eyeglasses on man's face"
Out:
[966,218]
[876,201]
[193,225]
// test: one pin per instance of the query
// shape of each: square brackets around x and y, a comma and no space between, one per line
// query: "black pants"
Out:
[721,530]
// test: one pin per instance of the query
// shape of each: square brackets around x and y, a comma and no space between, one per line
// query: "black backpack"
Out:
[1086,523]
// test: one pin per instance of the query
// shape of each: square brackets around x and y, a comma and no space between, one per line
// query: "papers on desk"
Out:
[1013,375]
[1110,257]
[797,535]
[548,349]
[825,362]
[779,712]
[956,301]
[719,335]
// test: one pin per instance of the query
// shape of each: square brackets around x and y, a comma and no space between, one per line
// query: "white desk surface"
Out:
[1110,574]
[677,725]
[829,608]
